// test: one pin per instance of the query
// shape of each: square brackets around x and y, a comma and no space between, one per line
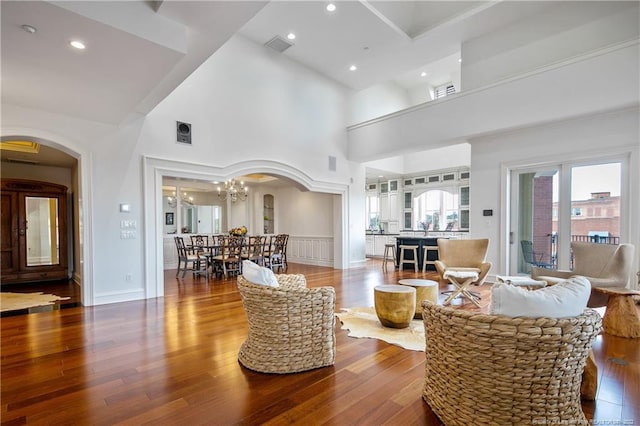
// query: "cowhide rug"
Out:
[15,301]
[363,322]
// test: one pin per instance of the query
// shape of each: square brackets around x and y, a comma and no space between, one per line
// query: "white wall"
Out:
[245,103]
[514,103]
[59,175]
[590,137]
[248,102]
[376,101]
[562,31]
[303,213]
[438,159]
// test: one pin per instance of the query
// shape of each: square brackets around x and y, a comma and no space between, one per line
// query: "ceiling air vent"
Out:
[278,44]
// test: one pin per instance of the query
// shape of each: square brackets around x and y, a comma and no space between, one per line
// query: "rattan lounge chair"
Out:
[291,327]
[496,370]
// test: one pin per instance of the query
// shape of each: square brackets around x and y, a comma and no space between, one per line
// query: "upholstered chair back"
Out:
[463,254]
[602,260]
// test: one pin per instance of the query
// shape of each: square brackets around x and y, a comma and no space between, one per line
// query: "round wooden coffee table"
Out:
[425,290]
[395,305]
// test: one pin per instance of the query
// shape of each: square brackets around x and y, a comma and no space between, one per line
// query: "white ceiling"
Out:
[139,51]
[386,40]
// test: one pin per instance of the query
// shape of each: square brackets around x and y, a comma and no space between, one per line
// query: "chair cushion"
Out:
[256,274]
[566,299]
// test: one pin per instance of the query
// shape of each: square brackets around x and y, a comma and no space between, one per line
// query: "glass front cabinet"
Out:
[34,231]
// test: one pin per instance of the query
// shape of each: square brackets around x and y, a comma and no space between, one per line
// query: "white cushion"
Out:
[256,274]
[565,299]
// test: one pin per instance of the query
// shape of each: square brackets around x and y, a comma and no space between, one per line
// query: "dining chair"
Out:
[200,242]
[277,257]
[255,249]
[199,264]
[230,258]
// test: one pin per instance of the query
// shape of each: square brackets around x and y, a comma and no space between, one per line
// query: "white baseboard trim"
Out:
[358,263]
[119,296]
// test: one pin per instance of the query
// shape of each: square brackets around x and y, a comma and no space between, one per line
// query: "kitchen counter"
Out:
[425,244]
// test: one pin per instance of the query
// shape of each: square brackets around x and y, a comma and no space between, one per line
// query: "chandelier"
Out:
[185,199]
[233,191]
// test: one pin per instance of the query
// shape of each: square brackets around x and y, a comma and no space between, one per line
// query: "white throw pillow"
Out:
[258,275]
[565,299]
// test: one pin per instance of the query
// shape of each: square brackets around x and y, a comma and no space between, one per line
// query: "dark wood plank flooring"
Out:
[173,360]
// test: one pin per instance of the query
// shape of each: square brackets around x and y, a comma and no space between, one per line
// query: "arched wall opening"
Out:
[156,170]
[80,244]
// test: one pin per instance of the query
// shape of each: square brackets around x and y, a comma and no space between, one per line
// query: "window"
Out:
[576,211]
[373,212]
[437,208]
[444,90]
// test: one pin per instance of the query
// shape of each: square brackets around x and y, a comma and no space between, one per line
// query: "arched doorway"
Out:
[54,162]
[156,170]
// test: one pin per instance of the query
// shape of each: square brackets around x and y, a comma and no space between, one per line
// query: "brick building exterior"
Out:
[598,215]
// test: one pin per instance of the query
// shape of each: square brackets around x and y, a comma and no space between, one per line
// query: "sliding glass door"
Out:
[553,205]
[533,235]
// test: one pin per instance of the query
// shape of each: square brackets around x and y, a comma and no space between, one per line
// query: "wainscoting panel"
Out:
[301,249]
[169,253]
[310,250]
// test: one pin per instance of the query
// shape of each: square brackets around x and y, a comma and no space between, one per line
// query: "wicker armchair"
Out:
[291,327]
[496,370]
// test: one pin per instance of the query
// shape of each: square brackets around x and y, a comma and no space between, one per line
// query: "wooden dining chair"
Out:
[277,257]
[200,242]
[186,256]
[230,258]
[255,249]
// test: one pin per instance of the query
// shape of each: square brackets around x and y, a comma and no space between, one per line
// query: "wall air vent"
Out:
[183,132]
[278,44]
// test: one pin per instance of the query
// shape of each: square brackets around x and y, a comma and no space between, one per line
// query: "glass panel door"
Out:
[595,203]
[533,227]
[554,206]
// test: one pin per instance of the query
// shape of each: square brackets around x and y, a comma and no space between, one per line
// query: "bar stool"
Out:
[402,260]
[389,247]
[426,261]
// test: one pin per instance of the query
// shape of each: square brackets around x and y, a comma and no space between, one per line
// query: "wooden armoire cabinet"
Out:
[34,231]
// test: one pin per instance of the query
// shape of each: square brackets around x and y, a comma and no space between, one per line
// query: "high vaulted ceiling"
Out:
[386,40]
[139,51]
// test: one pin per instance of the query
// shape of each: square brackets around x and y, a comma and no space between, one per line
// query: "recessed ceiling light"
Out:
[331,7]
[460,60]
[353,68]
[423,74]
[77,44]
[380,176]
[291,36]
[29,28]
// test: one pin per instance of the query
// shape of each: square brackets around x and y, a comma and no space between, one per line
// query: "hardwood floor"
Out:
[173,360]
[62,288]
